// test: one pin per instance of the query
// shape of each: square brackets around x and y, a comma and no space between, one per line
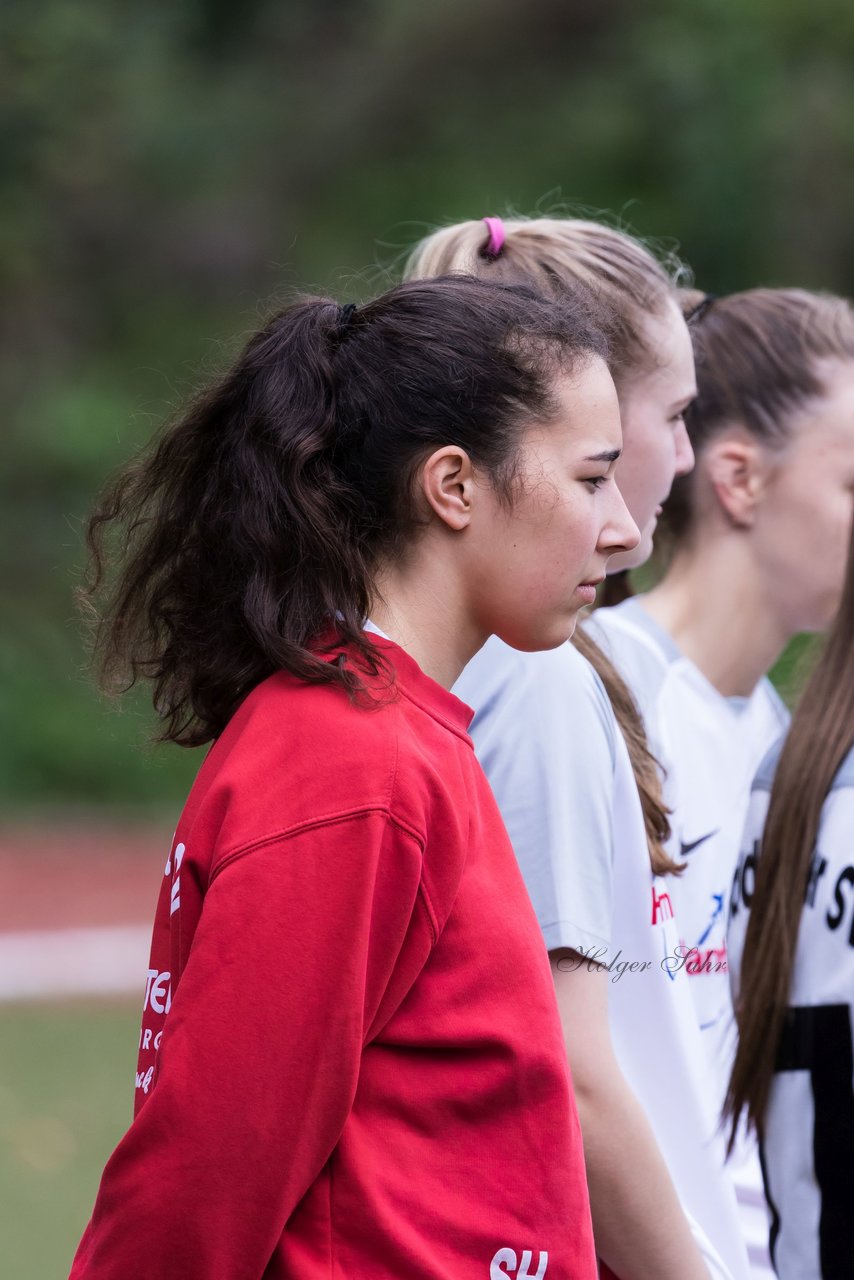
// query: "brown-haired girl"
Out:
[791,944]
[350,1059]
[554,732]
[757,536]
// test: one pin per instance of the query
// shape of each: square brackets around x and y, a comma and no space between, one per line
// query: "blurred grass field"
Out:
[66,1097]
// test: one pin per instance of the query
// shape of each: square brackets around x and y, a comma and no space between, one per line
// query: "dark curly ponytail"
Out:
[262,514]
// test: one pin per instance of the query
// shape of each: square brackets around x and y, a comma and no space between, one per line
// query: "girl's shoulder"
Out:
[297,754]
[843,778]
[554,694]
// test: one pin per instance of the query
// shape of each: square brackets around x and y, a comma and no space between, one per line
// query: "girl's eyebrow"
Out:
[611,455]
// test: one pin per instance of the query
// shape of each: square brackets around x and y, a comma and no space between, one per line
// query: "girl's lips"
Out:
[587,590]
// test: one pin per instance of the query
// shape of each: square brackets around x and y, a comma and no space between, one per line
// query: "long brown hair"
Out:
[821,735]
[629,283]
[757,359]
[264,512]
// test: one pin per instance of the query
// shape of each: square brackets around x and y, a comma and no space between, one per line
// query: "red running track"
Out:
[76,905]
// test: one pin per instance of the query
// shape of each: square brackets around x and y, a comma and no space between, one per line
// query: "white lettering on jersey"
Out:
[158,991]
[175,899]
[148,1040]
[144,1078]
[168,868]
[505,1263]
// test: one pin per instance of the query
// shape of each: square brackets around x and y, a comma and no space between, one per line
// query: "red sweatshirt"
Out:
[351,1063]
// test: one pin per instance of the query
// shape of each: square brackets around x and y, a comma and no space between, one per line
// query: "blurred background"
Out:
[167,170]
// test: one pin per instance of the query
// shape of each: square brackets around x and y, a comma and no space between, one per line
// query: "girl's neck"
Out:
[422,609]
[713,604]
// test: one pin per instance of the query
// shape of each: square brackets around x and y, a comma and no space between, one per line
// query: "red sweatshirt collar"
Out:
[412,682]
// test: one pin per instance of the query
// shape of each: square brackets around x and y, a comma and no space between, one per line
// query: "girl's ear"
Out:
[738,472]
[446,481]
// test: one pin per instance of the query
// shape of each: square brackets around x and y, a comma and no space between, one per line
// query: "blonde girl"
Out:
[564,750]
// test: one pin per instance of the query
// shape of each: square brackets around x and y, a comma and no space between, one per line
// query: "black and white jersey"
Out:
[808,1147]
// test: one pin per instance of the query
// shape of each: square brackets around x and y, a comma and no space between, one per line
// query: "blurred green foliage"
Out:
[168,164]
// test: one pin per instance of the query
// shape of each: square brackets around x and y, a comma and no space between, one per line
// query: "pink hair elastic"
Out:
[497,236]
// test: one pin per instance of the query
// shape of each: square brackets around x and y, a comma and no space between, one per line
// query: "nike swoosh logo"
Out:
[695,844]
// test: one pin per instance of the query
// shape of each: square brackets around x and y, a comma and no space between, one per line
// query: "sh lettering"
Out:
[505,1263]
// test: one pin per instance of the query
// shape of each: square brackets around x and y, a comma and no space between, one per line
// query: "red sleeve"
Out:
[298,953]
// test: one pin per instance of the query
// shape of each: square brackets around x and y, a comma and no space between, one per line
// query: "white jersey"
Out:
[547,738]
[710,747]
[808,1150]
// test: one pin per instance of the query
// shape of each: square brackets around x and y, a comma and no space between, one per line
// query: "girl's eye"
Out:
[595,482]
[680,416]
